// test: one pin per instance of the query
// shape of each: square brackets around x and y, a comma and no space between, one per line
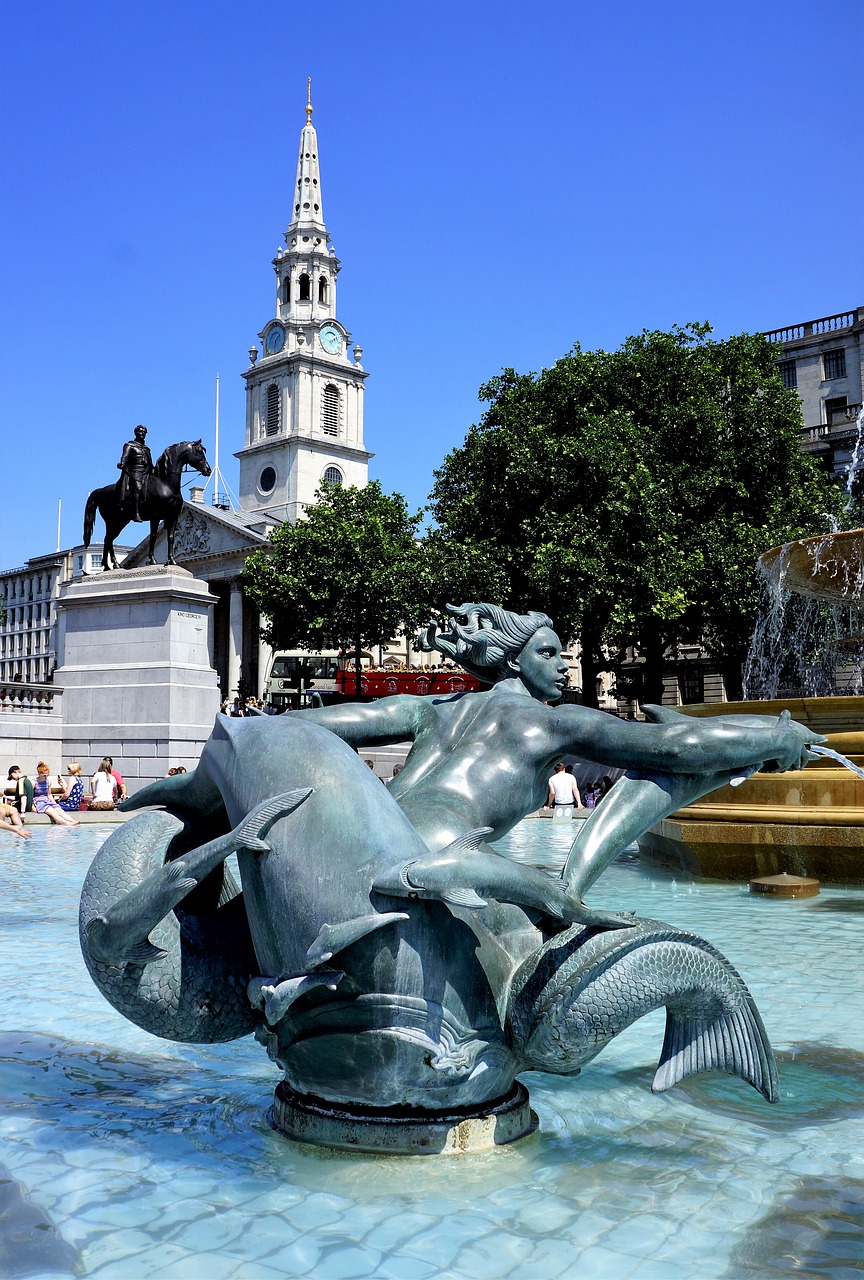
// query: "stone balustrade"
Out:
[813,328]
[29,698]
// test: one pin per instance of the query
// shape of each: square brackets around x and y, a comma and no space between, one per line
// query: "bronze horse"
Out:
[162,501]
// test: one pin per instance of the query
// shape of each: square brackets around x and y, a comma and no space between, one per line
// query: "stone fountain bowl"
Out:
[809,822]
[826,567]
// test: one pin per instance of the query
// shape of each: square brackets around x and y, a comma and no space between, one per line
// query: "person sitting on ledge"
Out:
[484,759]
[10,820]
[23,789]
[73,789]
[44,802]
[103,786]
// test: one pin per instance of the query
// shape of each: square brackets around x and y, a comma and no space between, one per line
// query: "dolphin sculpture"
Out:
[461,872]
[377,973]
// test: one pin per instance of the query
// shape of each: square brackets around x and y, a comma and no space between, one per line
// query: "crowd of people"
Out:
[240,707]
[59,798]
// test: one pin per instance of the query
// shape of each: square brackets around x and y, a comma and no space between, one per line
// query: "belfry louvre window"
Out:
[330,410]
[834,363]
[272,409]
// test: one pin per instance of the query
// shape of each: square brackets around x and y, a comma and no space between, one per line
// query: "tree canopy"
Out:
[629,493]
[348,575]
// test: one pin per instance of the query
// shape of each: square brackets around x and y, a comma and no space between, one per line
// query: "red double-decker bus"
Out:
[298,678]
[383,684]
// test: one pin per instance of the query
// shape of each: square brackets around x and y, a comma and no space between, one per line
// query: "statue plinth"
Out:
[136,670]
[404,1131]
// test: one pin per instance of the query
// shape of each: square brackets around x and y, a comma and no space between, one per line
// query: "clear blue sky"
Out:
[500,180]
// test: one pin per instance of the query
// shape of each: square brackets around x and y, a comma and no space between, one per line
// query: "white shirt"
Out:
[563,788]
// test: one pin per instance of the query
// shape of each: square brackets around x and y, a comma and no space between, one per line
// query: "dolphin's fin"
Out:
[661,715]
[264,816]
[333,938]
[180,791]
[100,939]
[469,843]
[735,1042]
[463,898]
[144,953]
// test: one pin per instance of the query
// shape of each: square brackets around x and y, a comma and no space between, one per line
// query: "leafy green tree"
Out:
[629,493]
[350,574]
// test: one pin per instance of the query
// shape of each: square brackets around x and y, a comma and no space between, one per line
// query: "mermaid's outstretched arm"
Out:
[370,724]
[643,797]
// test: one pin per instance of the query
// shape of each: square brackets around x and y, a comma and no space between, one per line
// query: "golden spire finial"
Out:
[309,100]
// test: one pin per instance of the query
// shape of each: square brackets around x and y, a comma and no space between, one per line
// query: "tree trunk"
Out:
[652,646]
[589,642]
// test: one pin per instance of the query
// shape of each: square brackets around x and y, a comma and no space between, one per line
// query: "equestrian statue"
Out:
[144,492]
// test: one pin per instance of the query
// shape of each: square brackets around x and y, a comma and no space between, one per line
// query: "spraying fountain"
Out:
[807,657]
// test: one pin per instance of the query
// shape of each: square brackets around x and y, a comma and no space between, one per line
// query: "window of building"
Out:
[332,475]
[330,410]
[286,289]
[272,427]
[79,563]
[835,410]
[322,289]
[691,682]
[305,287]
[789,373]
[834,364]
[267,480]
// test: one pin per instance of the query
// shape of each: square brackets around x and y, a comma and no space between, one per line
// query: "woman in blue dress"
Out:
[73,789]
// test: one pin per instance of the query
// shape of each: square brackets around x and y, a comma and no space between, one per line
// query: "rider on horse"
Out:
[136,466]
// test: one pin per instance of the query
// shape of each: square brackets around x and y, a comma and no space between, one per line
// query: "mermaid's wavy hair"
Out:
[482,637]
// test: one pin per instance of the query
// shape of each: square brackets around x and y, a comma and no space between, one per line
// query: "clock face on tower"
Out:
[275,340]
[330,339]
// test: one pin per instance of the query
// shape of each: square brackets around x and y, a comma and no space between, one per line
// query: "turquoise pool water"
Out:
[126,1156]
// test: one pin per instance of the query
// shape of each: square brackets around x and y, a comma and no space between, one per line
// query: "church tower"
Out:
[304,396]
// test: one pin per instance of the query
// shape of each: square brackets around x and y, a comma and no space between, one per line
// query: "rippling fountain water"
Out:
[129,1156]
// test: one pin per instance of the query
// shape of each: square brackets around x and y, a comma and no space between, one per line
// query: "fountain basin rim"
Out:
[825,566]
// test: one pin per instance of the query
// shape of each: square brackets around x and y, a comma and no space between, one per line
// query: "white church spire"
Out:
[307,215]
[304,397]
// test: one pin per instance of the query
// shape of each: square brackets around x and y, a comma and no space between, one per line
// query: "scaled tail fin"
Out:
[734,1042]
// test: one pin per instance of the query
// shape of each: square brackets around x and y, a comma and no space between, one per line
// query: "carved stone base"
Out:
[409,1133]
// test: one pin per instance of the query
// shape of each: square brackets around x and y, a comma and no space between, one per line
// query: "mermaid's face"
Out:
[540,666]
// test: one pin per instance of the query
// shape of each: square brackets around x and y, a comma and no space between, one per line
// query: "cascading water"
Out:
[803,647]
[809,635]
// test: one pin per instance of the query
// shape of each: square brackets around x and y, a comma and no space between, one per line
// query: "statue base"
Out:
[407,1132]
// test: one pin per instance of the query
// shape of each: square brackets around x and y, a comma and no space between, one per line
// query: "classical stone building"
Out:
[823,360]
[28,627]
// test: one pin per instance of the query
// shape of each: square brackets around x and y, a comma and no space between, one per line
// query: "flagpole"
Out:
[216,456]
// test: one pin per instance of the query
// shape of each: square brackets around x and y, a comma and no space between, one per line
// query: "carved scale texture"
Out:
[192,993]
[582,989]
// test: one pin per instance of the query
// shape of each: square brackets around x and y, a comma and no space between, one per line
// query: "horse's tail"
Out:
[90,517]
